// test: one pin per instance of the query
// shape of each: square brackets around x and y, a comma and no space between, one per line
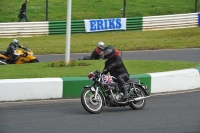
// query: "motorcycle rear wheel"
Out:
[90,104]
[137,105]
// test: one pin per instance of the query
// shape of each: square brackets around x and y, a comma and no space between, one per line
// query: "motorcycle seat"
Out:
[133,80]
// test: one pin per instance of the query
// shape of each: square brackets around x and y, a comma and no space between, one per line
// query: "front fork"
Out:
[96,91]
[93,90]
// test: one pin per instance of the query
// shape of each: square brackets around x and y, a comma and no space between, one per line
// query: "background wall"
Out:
[162,22]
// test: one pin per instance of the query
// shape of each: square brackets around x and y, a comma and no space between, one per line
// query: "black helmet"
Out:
[109,51]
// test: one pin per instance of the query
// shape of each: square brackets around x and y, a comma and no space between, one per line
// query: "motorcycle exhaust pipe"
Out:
[140,98]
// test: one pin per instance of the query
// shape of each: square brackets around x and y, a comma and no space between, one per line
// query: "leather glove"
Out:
[21,46]
[105,71]
[102,56]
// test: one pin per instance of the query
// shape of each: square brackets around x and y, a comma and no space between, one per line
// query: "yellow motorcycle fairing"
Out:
[25,59]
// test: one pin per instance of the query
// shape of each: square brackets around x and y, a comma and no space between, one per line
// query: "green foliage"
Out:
[91,9]
[72,63]
[57,63]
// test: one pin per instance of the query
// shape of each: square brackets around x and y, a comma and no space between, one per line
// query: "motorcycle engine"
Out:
[111,87]
[118,97]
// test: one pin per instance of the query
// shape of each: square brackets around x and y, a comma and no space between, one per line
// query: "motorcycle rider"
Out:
[115,66]
[11,50]
[98,51]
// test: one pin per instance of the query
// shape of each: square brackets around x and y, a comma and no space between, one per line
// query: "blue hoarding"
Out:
[199,19]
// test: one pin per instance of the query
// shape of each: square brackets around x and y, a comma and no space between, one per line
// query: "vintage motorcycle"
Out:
[26,56]
[106,91]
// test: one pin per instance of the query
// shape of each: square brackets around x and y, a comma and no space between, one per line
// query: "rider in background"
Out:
[12,51]
[98,51]
[115,66]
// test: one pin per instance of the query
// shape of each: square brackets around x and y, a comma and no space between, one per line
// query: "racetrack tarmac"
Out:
[191,55]
[171,113]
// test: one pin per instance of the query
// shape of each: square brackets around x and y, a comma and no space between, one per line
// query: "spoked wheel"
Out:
[138,92]
[90,103]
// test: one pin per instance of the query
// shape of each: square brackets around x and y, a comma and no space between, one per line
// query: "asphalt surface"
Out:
[191,55]
[177,113]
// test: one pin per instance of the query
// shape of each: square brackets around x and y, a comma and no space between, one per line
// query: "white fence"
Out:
[24,29]
[162,22]
[170,21]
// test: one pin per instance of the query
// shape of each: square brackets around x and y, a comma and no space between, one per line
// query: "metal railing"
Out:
[77,26]
[24,29]
[170,21]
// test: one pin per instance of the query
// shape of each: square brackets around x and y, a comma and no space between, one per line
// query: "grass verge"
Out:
[91,9]
[42,70]
[125,41]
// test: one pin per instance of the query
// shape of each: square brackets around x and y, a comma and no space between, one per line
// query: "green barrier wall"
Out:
[134,23]
[198,68]
[144,78]
[59,27]
[78,26]
[73,86]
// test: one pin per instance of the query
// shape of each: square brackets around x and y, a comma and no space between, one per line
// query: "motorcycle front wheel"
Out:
[90,103]
[138,92]
[34,61]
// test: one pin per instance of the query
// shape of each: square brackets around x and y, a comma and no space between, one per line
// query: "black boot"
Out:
[126,95]
[13,60]
[125,91]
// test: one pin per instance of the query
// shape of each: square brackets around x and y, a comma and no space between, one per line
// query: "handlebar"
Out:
[27,49]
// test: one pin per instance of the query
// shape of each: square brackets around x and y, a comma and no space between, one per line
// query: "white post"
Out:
[68,32]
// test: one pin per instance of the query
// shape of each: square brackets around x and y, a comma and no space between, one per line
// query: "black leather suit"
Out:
[11,51]
[95,55]
[116,67]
